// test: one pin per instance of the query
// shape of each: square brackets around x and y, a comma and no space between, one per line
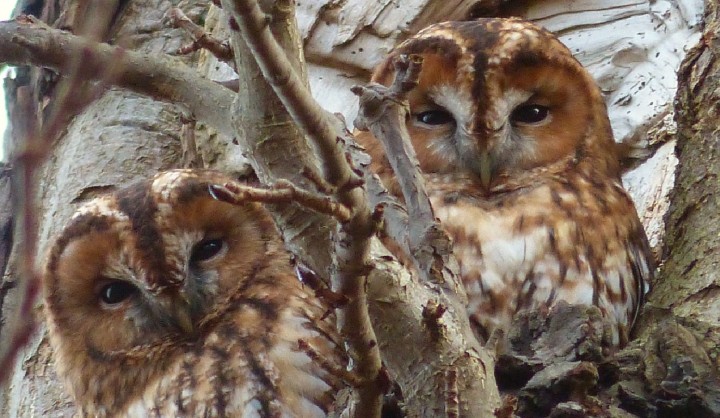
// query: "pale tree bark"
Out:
[680,332]
[124,136]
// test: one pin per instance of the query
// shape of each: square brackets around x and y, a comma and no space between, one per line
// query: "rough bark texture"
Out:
[690,281]
[681,325]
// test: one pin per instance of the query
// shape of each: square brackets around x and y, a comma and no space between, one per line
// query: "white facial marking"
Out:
[102,206]
[166,182]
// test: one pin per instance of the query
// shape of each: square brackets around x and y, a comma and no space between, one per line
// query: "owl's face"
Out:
[148,264]
[499,98]
[163,301]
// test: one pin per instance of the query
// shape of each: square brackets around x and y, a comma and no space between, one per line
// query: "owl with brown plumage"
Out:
[162,301]
[514,140]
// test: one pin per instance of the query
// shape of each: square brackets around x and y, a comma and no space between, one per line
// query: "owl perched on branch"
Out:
[163,301]
[520,164]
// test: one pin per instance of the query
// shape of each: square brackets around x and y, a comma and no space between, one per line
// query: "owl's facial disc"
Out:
[179,302]
[187,302]
[482,146]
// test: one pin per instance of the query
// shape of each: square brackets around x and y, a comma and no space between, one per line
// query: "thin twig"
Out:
[26,162]
[220,49]
[310,278]
[334,369]
[282,192]
[73,94]
[322,185]
[454,362]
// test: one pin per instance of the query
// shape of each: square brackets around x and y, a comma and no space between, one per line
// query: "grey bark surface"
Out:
[681,323]
[690,281]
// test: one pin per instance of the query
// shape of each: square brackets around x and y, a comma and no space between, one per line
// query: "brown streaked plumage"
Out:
[162,301]
[513,137]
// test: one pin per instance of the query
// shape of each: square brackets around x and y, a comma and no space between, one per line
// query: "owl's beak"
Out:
[485,170]
[181,313]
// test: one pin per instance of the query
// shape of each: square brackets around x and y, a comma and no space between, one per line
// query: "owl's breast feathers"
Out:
[566,237]
[251,361]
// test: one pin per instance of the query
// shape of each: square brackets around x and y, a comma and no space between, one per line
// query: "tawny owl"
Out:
[514,139]
[162,301]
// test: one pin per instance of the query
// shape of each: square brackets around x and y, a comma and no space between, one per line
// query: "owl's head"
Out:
[146,266]
[500,98]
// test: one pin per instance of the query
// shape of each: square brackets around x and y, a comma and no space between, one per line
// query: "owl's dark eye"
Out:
[205,250]
[116,292]
[529,114]
[435,117]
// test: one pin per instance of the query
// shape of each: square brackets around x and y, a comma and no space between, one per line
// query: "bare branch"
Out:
[382,111]
[312,119]
[313,281]
[220,49]
[350,378]
[27,162]
[322,185]
[455,367]
[283,192]
[73,94]
[352,241]
[26,41]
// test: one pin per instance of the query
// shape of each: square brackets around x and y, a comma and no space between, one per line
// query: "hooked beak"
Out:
[181,313]
[485,170]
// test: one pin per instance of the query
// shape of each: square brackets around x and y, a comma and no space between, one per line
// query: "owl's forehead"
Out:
[103,206]
[141,217]
[486,45]
[170,185]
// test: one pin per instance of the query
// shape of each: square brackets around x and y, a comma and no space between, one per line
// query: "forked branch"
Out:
[27,41]
[201,39]
[352,238]
[383,111]
[283,192]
